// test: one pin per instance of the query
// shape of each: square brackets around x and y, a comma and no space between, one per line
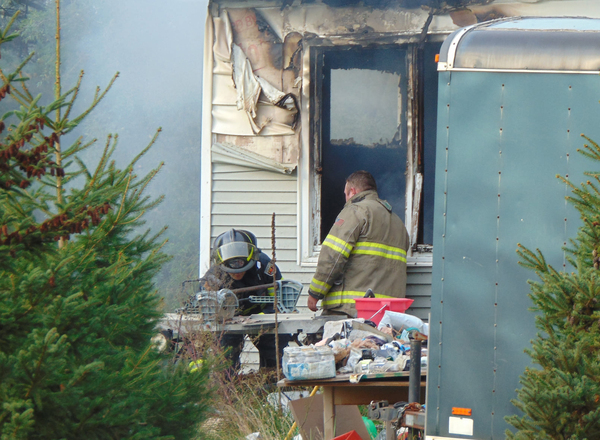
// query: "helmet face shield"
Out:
[236,257]
[235,263]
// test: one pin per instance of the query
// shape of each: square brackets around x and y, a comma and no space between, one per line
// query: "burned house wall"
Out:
[274,42]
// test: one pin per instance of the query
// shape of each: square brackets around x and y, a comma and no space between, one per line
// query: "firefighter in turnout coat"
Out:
[365,249]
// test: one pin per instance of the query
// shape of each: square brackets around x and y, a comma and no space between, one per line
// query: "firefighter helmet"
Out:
[235,251]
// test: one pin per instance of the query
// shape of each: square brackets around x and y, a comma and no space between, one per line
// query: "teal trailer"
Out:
[515,95]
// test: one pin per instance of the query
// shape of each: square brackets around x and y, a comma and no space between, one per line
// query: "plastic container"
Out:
[302,363]
[288,292]
[374,308]
[352,435]
[215,306]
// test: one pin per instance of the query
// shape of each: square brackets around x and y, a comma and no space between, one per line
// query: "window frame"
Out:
[309,182]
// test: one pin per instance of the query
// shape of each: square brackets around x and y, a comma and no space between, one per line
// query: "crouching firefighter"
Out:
[237,262]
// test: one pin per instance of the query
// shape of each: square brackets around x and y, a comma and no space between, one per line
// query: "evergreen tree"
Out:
[77,302]
[561,399]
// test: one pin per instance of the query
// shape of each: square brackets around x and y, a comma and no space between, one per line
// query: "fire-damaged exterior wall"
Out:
[298,94]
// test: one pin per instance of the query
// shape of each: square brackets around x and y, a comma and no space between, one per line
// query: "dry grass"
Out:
[242,407]
[240,404]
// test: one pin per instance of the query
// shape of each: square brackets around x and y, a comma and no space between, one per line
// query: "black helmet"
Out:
[235,250]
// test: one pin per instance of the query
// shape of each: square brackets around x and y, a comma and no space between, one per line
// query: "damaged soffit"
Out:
[232,154]
[353,22]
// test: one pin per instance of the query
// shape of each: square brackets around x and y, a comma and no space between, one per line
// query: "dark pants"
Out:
[234,343]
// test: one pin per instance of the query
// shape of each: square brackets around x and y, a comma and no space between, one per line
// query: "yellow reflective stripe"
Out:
[337,245]
[381,246]
[270,291]
[321,283]
[339,301]
[344,296]
[356,293]
[319,286]
[341,297]
[380,250]
[380,254]
[337,249]
[338,240]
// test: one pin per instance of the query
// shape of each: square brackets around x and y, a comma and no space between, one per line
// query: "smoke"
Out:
[157,47]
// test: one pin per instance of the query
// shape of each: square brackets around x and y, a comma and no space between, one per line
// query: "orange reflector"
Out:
[462,411]
[437,57]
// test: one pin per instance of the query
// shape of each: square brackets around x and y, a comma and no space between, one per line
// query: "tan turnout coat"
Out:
[365,248]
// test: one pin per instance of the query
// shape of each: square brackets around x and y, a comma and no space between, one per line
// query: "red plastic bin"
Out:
[352,435]
[374,308]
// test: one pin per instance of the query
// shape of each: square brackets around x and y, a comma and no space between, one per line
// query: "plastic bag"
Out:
[401,321]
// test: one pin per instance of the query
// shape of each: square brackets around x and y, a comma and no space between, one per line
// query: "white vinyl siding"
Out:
[418,287]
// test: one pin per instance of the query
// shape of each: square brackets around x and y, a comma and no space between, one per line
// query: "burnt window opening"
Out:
[362,99]
[363,119]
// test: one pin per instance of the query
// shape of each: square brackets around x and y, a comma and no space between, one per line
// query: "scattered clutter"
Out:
[308,362]
[355,346]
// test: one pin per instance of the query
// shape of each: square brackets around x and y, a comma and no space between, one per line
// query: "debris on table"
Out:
[354,346]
